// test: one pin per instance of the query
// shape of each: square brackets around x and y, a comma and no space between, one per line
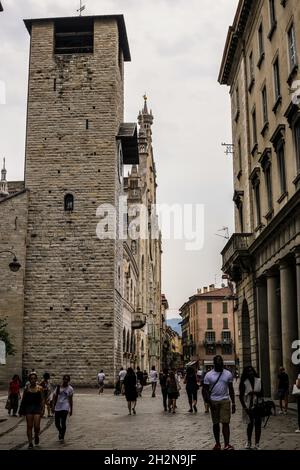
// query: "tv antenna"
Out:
[81,8]
[229,148]
[226,233]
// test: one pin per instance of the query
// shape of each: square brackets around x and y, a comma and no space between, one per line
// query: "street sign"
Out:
[2,353]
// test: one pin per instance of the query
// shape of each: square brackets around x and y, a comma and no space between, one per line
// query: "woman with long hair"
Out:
[191,388]
[32,406]
[251,395]
[47,394]
[172,391]
[63,405]
[14,395]
[130,383]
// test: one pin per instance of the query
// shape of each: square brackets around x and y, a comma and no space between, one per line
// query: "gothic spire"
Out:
[3,182]
[145,118]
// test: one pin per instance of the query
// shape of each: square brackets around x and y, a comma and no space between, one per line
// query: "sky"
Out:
[176,50]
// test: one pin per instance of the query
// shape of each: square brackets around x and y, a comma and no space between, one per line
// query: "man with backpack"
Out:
[218,387]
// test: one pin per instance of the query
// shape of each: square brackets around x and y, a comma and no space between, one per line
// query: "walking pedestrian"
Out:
[191,388]
[251,396]
[130,390]
[283,390]
[14,395]
[298,399]
[47,394]
[31,407]
[101,379]
[140,381]
[145,378]
[163,385]
[122,375]
[218,386]
[172,391]
[63,405]
[153,380]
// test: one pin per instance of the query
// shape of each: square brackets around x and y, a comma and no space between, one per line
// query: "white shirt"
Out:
[220,390]
[63,403]
[101,377]
[122,374]
[153,376]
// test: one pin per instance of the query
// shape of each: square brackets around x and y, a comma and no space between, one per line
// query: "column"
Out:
[297,254]
[289,322]
[263,334]
[274,321]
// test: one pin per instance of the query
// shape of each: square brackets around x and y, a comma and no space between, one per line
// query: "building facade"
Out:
[72,306]
[260,65]
[209,326]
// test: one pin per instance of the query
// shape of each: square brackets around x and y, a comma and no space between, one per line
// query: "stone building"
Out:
[68,305]
[260,65]
[142,258]
[210,327]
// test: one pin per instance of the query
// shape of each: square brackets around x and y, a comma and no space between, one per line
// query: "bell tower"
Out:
[73,316]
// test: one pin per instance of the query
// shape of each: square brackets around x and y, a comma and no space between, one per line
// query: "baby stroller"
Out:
[117,388]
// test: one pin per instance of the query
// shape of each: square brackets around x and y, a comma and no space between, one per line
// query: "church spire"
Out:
[145,118]
[3,182]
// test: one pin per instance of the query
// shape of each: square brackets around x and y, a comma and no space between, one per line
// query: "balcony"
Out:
[139,321]
[236,255]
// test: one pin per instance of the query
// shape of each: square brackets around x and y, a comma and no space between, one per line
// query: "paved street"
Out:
[102,422]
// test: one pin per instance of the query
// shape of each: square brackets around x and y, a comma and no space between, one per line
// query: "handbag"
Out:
[8,404]
[296,391]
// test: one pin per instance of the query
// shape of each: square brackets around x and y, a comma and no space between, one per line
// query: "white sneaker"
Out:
[256,447]
[248,445]
[297,430]
[280,412]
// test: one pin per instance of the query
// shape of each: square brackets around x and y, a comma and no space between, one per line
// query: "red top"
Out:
[14,386]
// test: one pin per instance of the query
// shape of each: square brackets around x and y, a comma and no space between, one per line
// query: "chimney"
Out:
[204,290]
[199,291]
[211,287]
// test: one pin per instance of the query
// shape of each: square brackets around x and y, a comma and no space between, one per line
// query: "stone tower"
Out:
[75,147]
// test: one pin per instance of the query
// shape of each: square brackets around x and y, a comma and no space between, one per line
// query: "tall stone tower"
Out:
[75,147]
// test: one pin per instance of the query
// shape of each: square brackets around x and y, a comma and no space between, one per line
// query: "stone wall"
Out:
[13,216]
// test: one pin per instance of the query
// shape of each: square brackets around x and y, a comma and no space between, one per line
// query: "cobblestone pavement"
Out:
[102,422]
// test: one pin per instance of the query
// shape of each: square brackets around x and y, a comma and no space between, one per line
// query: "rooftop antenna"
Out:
[226,233]
[81,8]
[229,148]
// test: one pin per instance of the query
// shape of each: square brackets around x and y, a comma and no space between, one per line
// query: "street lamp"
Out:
[14,266]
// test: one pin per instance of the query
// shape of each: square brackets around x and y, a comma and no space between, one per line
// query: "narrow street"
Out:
[102,422]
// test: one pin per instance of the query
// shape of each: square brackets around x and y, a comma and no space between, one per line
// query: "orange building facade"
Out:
[210,327]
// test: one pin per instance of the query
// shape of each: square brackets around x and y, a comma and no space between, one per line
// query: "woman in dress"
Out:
[130,390]
[251,395]
[32,406]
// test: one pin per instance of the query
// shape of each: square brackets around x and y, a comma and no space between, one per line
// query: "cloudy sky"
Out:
[176,48]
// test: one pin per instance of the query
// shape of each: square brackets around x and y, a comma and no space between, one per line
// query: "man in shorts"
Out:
[218,387]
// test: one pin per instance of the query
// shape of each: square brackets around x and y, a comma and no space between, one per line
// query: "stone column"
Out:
[297,254]
[274,321]
[289,322]
[263,334]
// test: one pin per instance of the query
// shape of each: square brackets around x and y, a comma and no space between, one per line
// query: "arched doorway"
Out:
[245,327]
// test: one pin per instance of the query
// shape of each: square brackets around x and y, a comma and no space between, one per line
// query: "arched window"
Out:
[69,202]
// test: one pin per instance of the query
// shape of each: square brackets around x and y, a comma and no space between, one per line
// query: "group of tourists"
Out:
[217,392]
[36,398]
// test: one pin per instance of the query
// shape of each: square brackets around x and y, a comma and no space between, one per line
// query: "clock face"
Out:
[120,162]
